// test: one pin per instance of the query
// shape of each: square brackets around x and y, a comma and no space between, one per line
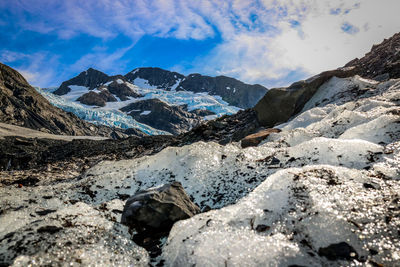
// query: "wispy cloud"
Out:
[262,41]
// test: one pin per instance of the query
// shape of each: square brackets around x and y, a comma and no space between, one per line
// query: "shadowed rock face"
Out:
[160,78]
[158,208]
[160,115]
[91,78]
[382,62]
[22,105]
[97,99]
[279,104]
[235,92]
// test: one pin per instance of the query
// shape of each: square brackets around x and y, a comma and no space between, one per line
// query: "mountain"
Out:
[177,112]
[22,105]
[235,92]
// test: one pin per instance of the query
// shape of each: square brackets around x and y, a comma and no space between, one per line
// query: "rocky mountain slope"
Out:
[321,190]
[22,105]
[160,115]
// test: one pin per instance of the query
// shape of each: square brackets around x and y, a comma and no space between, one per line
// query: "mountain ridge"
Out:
[233,91]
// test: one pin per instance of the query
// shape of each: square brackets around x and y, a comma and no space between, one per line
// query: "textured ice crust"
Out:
[332,175]
[337,180]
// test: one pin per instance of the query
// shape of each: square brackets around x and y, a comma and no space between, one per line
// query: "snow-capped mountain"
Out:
[93,92]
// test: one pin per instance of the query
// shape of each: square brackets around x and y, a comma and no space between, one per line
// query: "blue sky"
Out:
[271,42]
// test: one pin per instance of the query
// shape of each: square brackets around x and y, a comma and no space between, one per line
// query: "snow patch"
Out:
[146,112]
[76,92]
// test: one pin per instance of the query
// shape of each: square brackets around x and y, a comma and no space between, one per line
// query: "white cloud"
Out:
[263,41]
[309,36]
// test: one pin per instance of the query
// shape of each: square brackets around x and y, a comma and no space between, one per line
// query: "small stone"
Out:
[339,251]
[262,228]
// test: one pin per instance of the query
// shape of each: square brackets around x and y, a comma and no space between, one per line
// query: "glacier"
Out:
[110,115]
[330,176]
[111,118]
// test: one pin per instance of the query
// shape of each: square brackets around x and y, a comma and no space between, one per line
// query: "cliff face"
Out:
[22,105]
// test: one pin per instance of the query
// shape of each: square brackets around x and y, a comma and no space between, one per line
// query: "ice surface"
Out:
[76,92]
[111,116]
[143,83]
[106,117]
[146,112]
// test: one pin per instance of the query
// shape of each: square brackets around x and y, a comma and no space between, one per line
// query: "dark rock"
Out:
[162,79]
[92,99]
[90,78]
[372,185]
[202,112]
[44,212]
[158,208]
[255,139]
[280,104]
[262,228]
[162,116]
[121,90]
[51,229]
[339,251]
[29,181]
[223,130]
[233,91]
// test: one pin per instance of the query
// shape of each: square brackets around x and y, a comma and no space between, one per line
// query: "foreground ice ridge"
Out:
[332,175]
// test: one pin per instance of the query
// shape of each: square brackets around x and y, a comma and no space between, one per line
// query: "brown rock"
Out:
[255,139]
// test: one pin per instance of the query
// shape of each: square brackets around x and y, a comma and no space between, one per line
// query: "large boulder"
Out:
[279,104]
[158,208]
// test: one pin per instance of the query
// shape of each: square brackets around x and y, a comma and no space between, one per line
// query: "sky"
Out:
[270,42]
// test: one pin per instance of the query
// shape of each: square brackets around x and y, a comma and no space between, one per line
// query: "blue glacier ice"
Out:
[110,115]
[111,118]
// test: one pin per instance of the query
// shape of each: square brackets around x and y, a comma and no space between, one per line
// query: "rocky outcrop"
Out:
[97,99]
[255,139]
[160,115]
[22,105]
[90,78]
[233,91]
[121,90]
[223,130]
[157,209]
[162,79]
[382,62]
[280,104]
